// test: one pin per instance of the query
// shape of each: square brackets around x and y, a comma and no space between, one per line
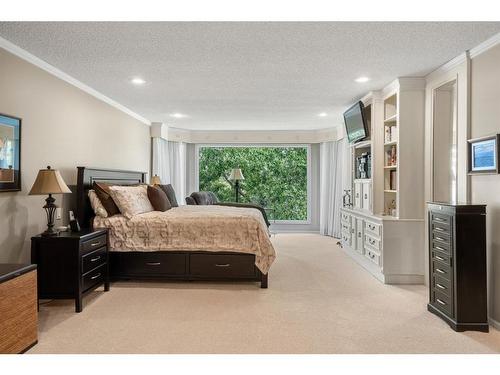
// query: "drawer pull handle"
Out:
[153,263]
[366,196]
[440,239]
[352,230]
[439,270]
[439,229]
[440,302]
[439,248]
[359,234]
[438,257]
[95,259]
[95,277]
[371,255]
[440,286]
[438,219]
[94,244]
[372,242]
[372,227]
[223,265]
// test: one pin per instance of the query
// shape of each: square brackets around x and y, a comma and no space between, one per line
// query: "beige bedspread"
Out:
[204,228]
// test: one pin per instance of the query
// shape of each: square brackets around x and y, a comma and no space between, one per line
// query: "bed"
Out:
[184,243]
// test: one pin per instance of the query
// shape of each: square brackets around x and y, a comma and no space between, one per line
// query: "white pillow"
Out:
[96,204]
[131,200]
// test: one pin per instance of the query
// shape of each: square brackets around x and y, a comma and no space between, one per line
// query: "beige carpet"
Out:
[318,301]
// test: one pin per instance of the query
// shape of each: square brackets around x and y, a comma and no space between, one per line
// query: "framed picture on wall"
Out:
[483,155]
[10,153]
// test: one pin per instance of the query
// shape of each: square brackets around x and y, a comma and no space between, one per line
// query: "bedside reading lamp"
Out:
[155,180]
[236,176]
[49,181]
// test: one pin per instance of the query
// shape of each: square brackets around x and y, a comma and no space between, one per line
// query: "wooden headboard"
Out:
[87,176]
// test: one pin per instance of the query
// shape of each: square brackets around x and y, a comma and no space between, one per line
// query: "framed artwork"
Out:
[10,153]
[483,155]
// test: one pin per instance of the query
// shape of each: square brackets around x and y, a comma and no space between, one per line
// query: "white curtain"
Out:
[169,163]
[331,184]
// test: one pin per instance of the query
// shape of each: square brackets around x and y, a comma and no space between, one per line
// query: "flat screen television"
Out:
[355,124]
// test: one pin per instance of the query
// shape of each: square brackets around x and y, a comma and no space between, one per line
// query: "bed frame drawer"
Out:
[215,266]
[144,264]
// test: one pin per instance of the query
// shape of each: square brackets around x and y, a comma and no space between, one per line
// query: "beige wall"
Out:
[63,127]
[485,120]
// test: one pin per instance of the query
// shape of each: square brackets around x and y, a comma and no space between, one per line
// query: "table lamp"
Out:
[236,176]
[49,181]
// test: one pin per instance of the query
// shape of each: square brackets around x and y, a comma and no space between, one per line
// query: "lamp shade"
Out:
[155,180]
[49,181]
[236,175]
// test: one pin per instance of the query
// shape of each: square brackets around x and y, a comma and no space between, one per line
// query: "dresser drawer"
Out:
[441,247]
[442,302]
[94,243]
[222,265]
[440,257]
[441,237]
[94,259]
[372,255]
[93,278]
[442,270]
[439,218]
[372,242]
[442,285]
[372,228]
[346,239]
[441,228]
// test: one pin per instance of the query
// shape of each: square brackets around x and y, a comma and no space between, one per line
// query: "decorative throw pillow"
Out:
[103,193]
[96,204]
[169,190]
[131,200]
[158,199]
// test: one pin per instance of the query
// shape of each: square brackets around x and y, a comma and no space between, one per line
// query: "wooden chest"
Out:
[18,308]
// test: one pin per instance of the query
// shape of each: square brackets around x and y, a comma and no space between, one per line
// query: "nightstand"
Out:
[71,264]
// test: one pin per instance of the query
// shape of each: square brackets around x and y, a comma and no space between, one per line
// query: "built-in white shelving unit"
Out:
[384,233]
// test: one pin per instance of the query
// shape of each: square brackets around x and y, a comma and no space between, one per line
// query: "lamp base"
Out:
[50,233]
[50,210]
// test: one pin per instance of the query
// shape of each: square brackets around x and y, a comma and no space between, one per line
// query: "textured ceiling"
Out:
[245,75]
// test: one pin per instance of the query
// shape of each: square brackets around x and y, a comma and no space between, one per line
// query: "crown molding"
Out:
[484,46]
[448,66]
[32,59]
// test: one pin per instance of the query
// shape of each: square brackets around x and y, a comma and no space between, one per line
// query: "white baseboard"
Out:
[294,231]
[494,323]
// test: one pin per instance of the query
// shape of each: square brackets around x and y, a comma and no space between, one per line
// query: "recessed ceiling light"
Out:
[322,114]
[177,115]
[362,79]
[138,81]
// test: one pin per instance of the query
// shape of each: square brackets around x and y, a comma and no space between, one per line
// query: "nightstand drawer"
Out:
[94,243]
[441,285]
[94,259]
[94,277]
[442,302]
[442,270]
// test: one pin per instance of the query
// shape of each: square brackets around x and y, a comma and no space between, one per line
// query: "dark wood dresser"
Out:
[18,308]
[71,264]
[457,265]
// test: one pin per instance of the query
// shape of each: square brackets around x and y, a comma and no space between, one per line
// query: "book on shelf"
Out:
[392,180]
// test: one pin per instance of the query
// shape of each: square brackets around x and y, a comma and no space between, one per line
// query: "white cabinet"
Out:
[366,196]
[358,192]
[359,235]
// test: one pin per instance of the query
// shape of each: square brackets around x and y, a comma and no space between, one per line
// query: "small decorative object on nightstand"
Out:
[49,181]
[71,264]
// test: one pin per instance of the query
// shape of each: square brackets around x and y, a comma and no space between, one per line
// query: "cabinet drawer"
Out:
[442,302]
[441,228]
[372,242]
[345,227]
[372,255]
[442,285]
[346,239]
[346,218]
[442,270]
[222,265]
[93,278]
[372,228]
[94,259]
[94,243]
